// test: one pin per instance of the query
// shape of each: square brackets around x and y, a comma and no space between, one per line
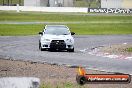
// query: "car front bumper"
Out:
[61,45]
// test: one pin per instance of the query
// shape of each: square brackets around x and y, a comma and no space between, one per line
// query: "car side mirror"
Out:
[72,33]
[41,33]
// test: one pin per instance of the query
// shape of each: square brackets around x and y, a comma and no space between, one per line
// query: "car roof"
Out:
[56,26]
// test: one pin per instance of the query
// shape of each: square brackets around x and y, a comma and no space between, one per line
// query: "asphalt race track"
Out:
[26,48]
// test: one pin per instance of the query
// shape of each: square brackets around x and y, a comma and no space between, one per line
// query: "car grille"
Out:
[57,44]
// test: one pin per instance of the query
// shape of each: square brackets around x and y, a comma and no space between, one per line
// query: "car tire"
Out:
[40,48]
[39,45]
[71,50]
[81,80]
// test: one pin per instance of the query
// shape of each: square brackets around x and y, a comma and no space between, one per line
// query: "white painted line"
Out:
[111,56]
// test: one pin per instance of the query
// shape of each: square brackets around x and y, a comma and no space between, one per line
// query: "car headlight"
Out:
[68,40]
[46,39]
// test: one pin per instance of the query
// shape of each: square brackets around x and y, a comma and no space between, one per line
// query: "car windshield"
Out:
[57,30]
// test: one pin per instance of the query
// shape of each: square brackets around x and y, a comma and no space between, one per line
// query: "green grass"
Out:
[89,25]
[79,29]
[59,17]
[94,29]
[13,2]
[14,30]
[79,3]
[62,85]
[129,49]
[84,3]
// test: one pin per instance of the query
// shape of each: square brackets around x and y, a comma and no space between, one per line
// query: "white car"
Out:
[56,37]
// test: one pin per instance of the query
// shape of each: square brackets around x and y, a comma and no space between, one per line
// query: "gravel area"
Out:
[120,49]
[49,74]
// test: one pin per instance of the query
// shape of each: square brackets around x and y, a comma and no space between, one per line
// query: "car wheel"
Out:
[39,45]
[81,80]
[71,50]
[40,48]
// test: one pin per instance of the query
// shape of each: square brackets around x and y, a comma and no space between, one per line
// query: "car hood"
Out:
[57,37]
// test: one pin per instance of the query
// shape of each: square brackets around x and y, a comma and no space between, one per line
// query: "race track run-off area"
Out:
[26,48]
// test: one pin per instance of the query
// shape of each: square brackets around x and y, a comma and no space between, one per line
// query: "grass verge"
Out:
[79,29]
[129,49]
[101,28]
[13,29]
[58,17]
[61,85]
[87,24]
